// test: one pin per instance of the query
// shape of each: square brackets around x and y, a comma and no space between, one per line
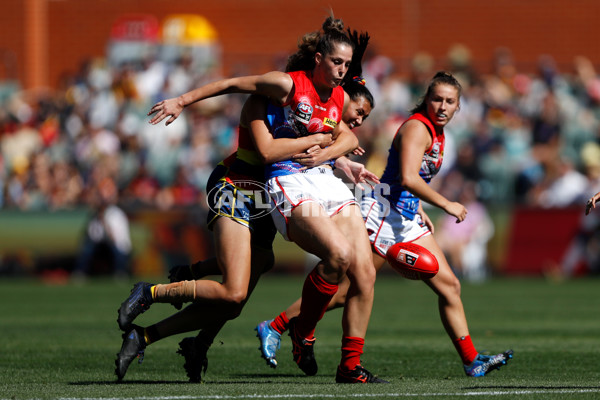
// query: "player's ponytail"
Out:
[356,88]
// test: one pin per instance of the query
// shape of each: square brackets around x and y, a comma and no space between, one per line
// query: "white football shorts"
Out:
[317,184]
[386,226]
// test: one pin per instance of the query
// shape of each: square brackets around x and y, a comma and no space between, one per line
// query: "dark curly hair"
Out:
[322,41]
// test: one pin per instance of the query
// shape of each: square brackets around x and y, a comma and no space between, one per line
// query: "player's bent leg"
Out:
[359,299]
[315,232]
[312,229]
[361,273]
[197,270]
[339,299]
[203,314]
[233,250]
[447,287]
[232,243]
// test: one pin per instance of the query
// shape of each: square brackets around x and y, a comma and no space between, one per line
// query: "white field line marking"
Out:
[355,395]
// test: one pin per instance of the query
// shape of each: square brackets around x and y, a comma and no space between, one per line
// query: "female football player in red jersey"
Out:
[311,89]
[414,159]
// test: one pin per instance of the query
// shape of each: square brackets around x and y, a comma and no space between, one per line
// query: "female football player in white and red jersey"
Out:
[321,64]
[415,157]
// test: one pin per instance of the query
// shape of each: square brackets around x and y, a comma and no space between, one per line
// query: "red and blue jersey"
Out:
[404,201]
[304,114]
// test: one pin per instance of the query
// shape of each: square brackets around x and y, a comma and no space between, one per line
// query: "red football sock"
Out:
[280,323]
[352,348]
[316,295]
[465,349]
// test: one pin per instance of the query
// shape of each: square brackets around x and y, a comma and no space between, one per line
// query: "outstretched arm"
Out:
[276,85]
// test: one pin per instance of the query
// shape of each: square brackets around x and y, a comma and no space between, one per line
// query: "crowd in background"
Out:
[518,138]
[523,138]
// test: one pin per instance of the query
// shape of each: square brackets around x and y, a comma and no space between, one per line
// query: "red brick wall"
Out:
[252,32]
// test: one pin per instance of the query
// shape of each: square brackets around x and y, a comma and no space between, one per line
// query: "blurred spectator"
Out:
[465,244]
[107,237]
[583,254]
[526,137]
[562,186]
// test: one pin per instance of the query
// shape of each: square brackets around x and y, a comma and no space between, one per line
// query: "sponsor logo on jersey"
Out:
[303,113]
[329,122]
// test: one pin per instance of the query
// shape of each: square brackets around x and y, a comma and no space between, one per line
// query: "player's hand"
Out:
[311,157]
[426,220]
[322,139]
[167,108]
[356,172]
[359,151]
[457,210]
[591,203]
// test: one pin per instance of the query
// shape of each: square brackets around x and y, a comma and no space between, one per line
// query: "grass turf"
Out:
[60,341]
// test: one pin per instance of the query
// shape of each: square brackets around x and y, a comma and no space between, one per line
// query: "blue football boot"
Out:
[482,364]
[270,341]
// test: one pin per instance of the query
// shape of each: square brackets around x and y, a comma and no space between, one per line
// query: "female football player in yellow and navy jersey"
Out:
[341,242]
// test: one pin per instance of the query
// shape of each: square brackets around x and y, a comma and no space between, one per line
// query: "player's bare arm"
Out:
[345,143]
[275,85]
[270,149]
[413,140]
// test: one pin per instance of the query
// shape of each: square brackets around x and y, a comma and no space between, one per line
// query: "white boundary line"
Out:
[349,395]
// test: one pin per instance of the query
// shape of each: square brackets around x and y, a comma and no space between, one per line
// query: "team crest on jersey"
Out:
[329,122]
[303,113]
[435,151]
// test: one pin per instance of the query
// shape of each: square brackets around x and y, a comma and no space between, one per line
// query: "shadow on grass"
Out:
[249,379]
[134,382]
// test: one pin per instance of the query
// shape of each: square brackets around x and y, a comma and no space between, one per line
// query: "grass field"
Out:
[60,341]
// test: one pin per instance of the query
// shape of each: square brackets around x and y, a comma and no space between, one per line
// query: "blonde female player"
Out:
[414,159]
[313,81]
